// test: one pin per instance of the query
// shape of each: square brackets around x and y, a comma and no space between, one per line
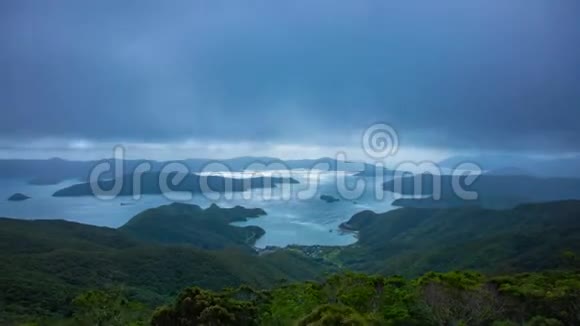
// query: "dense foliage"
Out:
[64,273]
[453,298]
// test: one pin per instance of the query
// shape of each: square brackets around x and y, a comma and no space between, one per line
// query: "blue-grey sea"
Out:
[295,214]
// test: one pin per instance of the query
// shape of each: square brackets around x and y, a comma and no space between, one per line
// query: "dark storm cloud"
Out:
[458,74]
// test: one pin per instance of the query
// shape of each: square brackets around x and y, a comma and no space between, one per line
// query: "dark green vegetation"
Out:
[47,263]
[494,191]
[18,197]
[73,274]
[192,225]
[453,298]
[413,241]
[152,183]
[329,199]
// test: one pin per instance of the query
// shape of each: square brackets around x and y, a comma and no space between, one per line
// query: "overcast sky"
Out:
[288,78]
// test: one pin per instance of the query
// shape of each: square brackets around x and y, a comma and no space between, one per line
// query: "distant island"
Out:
[329,198]
[18,197]
[451,201]
[193,183]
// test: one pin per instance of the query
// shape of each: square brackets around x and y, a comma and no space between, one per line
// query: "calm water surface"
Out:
[290,220]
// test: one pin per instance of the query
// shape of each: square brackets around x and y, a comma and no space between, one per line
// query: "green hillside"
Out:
[46,263]
[190,224]
[412,241]
[547,298]
[65,271]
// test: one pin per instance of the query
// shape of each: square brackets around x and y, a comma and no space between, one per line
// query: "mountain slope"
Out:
[44,264]
[413,240]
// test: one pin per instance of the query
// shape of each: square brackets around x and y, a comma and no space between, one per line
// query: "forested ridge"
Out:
[182,265]
[452,298]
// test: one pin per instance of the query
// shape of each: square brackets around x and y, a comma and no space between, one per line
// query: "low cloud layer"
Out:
[455,75]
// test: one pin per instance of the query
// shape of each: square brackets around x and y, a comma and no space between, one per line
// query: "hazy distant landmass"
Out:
[194,183]
[493,191]
[545,167]
[56,170]
[509,170]
[372,171]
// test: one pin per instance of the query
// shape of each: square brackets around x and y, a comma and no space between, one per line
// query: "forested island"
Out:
[18,197]
[152,183]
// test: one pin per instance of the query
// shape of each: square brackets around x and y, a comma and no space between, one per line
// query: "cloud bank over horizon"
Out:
[450,76]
